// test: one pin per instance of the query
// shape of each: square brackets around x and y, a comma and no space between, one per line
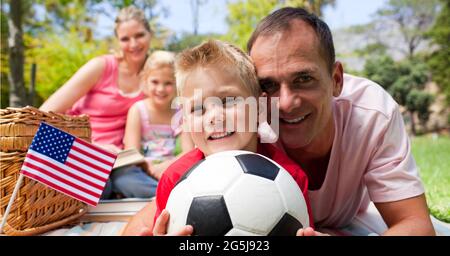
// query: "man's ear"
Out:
[338,78]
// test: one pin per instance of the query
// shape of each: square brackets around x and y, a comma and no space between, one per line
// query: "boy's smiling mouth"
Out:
[220,135]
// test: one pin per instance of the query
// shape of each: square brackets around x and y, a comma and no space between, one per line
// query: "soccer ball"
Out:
[237,193]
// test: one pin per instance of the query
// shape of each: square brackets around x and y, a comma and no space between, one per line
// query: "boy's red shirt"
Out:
[175,171]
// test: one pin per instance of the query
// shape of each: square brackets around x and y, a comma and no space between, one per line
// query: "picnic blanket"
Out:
[368,223]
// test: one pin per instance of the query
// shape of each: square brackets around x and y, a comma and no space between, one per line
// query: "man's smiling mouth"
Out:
[294,120]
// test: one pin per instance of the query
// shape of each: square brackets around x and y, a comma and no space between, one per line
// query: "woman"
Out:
[106,86]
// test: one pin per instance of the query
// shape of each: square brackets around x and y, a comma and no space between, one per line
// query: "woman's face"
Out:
[134,40]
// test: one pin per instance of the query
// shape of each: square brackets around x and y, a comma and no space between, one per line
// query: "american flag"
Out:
[68,164]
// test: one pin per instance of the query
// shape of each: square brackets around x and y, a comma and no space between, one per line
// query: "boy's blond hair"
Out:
[157,60]
[221,55]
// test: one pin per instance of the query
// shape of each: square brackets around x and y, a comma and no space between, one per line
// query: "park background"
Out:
[401,44]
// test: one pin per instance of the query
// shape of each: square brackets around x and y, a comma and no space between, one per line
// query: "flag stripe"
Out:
[86,169]
[59,186]
[67,182]
[91,155]
[41,162]
[68,164]
[106,155]
[93,163]
[94,177]
[80,160]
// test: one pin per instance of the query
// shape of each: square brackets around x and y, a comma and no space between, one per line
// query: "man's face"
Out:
[290,66]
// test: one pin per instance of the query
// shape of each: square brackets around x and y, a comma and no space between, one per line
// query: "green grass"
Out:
[432,155]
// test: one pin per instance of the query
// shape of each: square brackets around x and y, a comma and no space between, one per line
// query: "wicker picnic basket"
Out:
[37,208]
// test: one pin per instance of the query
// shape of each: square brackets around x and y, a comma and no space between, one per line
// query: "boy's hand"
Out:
[160,228]
[309,232]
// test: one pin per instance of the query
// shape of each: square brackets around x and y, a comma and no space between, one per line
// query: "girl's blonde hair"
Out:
[157,60]
[131,13]
[220,55]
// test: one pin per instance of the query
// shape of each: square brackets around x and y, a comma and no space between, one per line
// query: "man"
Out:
[346,132]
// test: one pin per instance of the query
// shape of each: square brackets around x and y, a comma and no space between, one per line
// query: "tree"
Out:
[58,57]
[17,92]
[407,90]
[439,60]
[314,6]
[187,40]
[405,81]
[244,15]
[419,102]
[382,70]
[4,60]
[195,9]
[412,17]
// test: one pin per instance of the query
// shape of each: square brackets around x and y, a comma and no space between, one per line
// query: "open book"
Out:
[128,157]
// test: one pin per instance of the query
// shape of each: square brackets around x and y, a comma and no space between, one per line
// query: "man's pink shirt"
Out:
[371,155]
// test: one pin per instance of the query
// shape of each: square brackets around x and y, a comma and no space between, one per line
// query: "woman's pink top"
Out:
[107,106]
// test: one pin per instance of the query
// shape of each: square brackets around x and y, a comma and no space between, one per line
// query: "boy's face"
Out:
[160,86]
[215,114]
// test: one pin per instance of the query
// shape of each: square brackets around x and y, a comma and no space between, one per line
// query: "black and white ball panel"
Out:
[185,175]
[254,190]
[179,206]
[256,165]
[224,173]
[209,215]
[288,225]
[237,193]
[289,191]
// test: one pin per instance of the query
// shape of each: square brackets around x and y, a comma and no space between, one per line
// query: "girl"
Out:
[153,126]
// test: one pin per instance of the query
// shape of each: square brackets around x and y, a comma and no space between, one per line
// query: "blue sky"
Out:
[212,15]
[214,12]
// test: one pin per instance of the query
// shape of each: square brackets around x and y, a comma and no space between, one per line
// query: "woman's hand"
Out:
[160,228]
[109,147]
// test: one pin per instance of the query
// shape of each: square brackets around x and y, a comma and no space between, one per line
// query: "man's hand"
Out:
[309,232]
[160,228]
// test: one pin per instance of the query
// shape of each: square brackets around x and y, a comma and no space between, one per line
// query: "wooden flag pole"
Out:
[11,200]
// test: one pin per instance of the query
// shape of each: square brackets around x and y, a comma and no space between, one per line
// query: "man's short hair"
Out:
[217,54]
[279,21]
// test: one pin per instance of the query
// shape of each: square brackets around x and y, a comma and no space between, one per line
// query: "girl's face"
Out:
[160,86]
[134,40]
[217,119]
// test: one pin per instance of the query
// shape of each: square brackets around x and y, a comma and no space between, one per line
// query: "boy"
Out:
[216,70]
[214,78]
